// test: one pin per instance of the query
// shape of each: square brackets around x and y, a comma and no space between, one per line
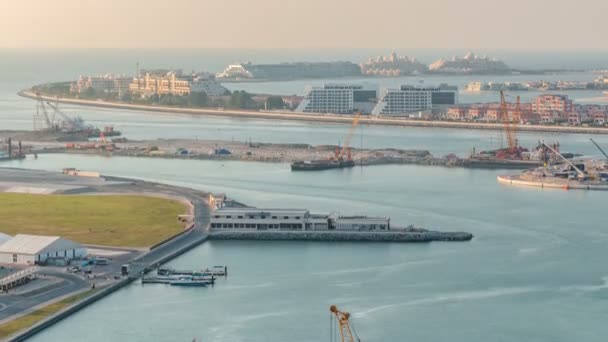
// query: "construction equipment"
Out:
[579,173]
[105,144]
[42,115]
[345,150]
[508,125]
[68,123]
[599,148]
[344,326]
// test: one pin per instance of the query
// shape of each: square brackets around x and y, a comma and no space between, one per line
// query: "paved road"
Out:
[14,304]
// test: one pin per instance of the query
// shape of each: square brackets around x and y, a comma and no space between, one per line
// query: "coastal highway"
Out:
[331,118]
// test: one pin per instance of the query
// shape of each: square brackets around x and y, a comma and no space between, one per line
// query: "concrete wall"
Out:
[333,236]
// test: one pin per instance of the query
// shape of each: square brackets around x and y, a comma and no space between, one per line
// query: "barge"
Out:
[318,165]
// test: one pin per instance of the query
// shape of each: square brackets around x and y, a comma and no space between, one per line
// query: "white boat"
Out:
[189,281]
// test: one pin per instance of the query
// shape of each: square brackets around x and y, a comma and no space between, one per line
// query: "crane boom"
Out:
[71,122]
[343,324]
[42,108]
[599,148]
[349,135]
[580,173]
[506,121]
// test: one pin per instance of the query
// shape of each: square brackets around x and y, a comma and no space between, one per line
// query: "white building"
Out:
[208,86]
[338,99]
[248,219]
[27,249]
[235,71]
[409,99]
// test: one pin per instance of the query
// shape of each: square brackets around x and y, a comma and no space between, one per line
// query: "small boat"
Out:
[218,271]
[189,281]
[171,274]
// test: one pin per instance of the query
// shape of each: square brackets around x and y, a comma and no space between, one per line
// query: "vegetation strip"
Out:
[121,221]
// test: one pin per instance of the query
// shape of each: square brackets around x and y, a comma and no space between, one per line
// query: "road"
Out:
[14,304]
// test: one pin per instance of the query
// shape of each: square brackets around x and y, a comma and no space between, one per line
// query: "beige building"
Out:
[160,85]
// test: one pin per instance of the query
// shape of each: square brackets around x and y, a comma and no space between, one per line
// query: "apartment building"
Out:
[160,85]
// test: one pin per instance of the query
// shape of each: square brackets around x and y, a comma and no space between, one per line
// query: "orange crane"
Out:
[105,144]
[508,124]
[340,152]
[342,320]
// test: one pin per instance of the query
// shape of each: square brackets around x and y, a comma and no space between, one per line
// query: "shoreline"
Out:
[199,232]
[318,118]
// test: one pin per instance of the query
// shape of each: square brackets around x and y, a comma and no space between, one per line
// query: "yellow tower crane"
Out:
[344,326]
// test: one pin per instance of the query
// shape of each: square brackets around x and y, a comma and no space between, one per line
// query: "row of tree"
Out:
[239,99]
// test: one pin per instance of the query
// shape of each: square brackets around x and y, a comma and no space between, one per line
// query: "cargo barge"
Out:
[318,165]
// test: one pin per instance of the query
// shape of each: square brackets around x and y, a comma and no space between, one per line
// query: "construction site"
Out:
[49,120]
[583,174]
[513,155]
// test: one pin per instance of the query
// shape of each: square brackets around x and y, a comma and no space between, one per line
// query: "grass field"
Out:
[26,321]
[126,221]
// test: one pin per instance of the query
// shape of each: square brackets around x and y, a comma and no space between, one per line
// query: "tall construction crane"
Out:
[599,148]
[41,110]
[340,154]
[344,326]
[508,125]
[580,174]
[71,123]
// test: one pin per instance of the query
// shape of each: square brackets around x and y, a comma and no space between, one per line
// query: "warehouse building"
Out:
[27,249]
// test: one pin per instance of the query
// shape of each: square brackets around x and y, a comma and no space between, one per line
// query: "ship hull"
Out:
[319,165]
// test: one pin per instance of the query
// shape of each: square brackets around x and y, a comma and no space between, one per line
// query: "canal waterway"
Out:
[535,271]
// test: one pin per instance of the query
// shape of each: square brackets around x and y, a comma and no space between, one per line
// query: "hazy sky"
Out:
[388,24]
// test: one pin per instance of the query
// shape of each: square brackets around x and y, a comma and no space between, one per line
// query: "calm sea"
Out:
[535,271]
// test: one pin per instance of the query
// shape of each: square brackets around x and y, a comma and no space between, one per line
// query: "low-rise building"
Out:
[476,112]
[574,118]
[600,117]
[27,249]
[550,103]
[456,113]
[160,85]
[257,219]
[107,83]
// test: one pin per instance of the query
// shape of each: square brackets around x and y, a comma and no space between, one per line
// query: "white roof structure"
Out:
[36,244]
[4,238]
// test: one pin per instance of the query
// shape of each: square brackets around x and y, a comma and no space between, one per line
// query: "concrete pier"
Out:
[345,236]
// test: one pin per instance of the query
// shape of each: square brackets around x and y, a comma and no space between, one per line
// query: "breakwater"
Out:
[343,236]
[552,183]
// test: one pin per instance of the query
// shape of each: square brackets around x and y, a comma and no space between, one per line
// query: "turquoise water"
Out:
[536,270]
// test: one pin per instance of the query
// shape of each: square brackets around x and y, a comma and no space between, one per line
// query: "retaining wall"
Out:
[386,236]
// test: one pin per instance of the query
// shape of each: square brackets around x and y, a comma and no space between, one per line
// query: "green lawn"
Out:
[126,221]
[9,328]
